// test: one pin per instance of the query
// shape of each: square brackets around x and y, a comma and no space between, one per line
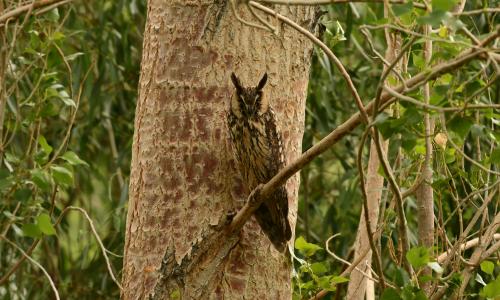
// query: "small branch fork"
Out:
[198,271]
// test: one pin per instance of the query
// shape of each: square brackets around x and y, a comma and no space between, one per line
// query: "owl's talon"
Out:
[230,216]
[255,194]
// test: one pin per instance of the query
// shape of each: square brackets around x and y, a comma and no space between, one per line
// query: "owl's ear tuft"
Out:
[262,82]
[236,82]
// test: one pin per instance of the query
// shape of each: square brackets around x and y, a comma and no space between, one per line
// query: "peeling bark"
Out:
[183,176]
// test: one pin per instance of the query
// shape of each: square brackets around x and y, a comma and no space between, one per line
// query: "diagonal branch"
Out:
[204,258]
[343,129]
[16,12]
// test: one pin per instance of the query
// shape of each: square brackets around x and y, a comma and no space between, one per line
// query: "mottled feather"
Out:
[258,150]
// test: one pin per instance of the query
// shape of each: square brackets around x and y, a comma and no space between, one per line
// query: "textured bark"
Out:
[183,177]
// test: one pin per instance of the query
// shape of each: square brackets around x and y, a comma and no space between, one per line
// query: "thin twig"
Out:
[438,108]
[327,51]
[478,11]
[473,161]
[239,18]
[345,261]
[467,245]
[343,129]
[323,2]
[15,13]
[52,285]
[99,241]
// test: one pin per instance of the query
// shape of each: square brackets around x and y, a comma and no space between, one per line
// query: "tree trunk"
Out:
[183,175]
[374,184]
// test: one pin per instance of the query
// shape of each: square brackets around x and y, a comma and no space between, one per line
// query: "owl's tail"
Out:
[272,216]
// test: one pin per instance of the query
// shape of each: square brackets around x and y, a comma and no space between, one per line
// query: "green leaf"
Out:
[460,126]
[31,230]
[401,9]
[339,279]
[62,175]
[319,268]
[74,56]
[418,60]
[45,225]
[40,178]
[58,91]
[47,149]
[22,194]
[53,14]
[418,256]
[324,283]
[487,267]
[73,159]
[443,5]
[390,294]
[57,36]
[434,18]
[381,118]
[495,156]
[306,248]
[492,289]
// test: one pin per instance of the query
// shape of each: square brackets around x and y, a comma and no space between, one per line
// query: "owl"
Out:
[258,151]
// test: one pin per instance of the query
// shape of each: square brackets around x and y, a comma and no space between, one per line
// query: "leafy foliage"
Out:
[70,87]
[330,198]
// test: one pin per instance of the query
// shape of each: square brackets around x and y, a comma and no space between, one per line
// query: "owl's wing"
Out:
[272,215]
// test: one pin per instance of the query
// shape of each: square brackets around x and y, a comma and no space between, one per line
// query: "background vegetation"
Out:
[69,78]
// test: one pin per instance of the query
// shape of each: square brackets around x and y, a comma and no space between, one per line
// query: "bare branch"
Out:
[15,13]
[324,2]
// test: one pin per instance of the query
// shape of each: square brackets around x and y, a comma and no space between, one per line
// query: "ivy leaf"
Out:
[487,267]
[492,289]
[495,156]
[40,178]
[73,159]
[338,279]
[47,149]
[460,126]
[62,175]
[418,256]
[443,5]
[31,230]
[22,194]
[306,248]
[45,225]
[390,294]
[418,60]
[401,9]
[319,268]
[434,18]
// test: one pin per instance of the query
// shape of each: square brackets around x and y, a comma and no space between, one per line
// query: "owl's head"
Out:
[248,102]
